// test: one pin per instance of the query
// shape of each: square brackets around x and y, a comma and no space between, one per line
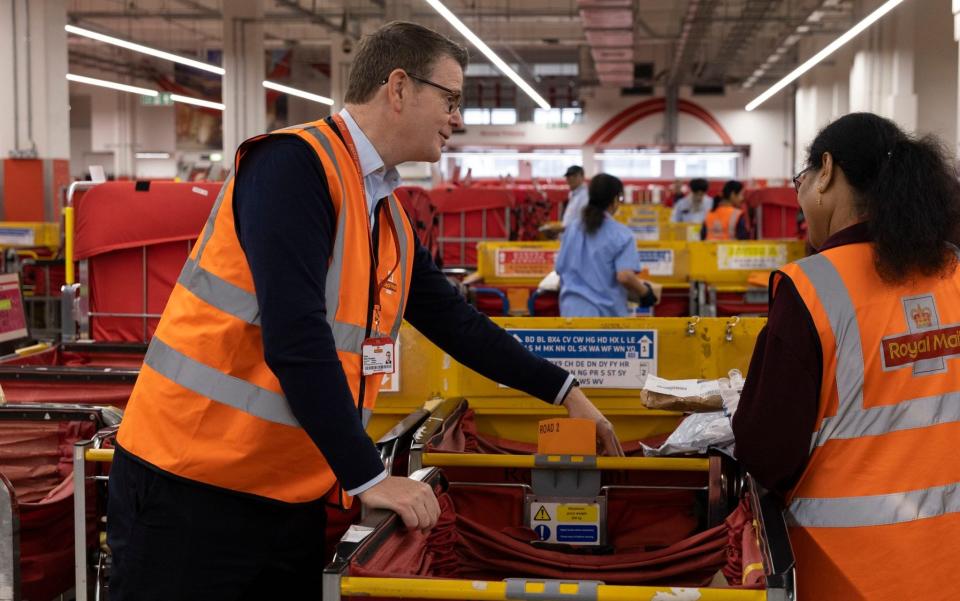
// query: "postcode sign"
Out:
[597,358]
[524,262]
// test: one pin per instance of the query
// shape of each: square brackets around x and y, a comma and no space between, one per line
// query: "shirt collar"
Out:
[370,161]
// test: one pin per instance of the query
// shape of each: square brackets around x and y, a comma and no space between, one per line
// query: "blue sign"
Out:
[598,358]
[543,531]
[578,534]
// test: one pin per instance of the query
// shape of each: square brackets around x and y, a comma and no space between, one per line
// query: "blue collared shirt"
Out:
[378,182]
[684,211]
[578,200]
[588,265]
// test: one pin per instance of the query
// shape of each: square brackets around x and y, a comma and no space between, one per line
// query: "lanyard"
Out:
[378,286]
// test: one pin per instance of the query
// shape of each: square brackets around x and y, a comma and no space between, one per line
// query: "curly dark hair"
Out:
[905,188]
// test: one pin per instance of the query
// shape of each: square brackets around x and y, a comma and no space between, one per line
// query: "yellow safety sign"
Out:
[578,513]
[542,515]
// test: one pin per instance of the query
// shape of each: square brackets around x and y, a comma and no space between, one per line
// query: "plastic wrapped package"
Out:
[701,431]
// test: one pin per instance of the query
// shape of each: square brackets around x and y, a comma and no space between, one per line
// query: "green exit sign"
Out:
[161,99]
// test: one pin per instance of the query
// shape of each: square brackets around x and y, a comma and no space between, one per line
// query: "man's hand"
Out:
[413,501]
[578,405]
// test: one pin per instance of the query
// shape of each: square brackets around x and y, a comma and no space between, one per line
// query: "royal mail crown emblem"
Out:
[922,316]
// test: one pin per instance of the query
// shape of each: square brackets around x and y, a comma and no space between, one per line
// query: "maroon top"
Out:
[775,420]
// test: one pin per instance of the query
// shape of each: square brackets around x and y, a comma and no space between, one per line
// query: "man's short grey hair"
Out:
[398,45]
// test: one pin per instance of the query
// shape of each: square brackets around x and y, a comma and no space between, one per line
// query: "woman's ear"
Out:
[826,177]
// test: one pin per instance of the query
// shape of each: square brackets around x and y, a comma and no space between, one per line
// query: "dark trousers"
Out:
[177,541]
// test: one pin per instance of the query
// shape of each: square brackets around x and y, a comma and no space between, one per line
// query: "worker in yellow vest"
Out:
[851,408]
[727,221]
[249,412]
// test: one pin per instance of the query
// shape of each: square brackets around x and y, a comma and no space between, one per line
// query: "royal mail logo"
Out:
[922,316]
[927,344]
[905,350]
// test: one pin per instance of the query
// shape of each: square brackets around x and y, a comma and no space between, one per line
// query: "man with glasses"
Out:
[250,410]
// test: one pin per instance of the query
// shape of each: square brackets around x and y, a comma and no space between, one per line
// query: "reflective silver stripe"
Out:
[875,510]
[335,270]
[838,306]
[208,382]
[349,337]
[212,218]
[216,291]
[732,226]
[365,415]
[397,217]
[906,415]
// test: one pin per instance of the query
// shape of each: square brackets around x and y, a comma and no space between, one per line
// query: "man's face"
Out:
[697,196]
[574,180]
[428,122]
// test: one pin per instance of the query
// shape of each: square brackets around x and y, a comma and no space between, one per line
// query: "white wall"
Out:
[903,68]
[935,72]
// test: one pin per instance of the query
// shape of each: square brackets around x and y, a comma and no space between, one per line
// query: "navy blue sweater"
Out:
[286,224]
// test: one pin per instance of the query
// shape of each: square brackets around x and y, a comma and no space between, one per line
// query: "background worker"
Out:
[250,407]
[859,437]
[598,258]
[693,207]
[727,221]
[578,194]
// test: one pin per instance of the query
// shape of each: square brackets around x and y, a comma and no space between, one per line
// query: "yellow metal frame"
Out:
[68,217]
[98,455]
[45,234]
[657,464]
[704,262]
[415,588]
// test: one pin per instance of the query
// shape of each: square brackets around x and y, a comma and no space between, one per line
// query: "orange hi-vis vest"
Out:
[206,406]
[876,513]
[721,223]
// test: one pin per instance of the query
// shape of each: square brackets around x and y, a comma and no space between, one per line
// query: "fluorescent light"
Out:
[153,155]
[482,47]
[830,49]
[216,157]
[299,93]
[93,35]
[110,84]
[196,101]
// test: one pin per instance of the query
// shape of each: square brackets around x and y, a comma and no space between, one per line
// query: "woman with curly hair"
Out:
[851,409]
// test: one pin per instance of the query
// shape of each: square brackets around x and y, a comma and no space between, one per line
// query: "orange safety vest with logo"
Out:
[876,513]
[206,406]
[721,223]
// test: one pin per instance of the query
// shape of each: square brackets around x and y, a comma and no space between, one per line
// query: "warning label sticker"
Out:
[572,523]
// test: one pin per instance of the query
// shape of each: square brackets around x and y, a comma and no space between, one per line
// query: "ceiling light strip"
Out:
[93,35]
[298,93]
[490,54]
[197,102]
[110,84]
[830,49]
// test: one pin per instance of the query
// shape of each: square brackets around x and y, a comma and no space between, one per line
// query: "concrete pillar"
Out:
[245,113]
[34,102]
[956,36]
[881,80]
[305,77]
[341,54]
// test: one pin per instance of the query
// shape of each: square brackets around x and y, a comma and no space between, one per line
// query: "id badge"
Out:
[379,356]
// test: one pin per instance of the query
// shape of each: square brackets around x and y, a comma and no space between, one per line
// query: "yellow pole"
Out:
[101,455]
[478,590]
[664,464]
[68,243]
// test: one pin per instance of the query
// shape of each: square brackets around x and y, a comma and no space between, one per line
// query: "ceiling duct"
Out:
[608,27]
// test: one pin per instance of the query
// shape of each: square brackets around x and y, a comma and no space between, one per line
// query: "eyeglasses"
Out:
[453,97]
[798,178]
